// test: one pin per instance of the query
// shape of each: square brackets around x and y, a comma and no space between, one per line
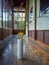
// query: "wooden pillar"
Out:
[35,22]
[27,17]
[12,18]
[35,13]
[2,19]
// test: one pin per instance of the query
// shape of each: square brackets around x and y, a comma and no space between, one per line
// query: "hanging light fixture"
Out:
[21,6]
[22,3]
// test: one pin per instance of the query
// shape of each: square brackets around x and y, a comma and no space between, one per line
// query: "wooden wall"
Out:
[7,32]
[4,33]
[42,35]
[31,33]
[0,34]
[47,37]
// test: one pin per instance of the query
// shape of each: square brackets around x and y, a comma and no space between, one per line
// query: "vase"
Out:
[19,48]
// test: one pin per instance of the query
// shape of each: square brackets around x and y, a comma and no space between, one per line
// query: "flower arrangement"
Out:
[20,35]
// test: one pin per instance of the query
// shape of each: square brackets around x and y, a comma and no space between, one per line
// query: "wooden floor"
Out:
[33,54]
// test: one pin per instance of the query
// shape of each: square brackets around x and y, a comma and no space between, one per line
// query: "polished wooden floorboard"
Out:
[33,54]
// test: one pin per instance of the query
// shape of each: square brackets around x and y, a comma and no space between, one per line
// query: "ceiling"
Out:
[18,3]
[43,4]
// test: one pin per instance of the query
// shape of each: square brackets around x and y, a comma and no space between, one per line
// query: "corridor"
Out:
[33,53]
[28,19]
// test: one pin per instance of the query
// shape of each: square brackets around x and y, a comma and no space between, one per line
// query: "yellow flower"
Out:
[20,33]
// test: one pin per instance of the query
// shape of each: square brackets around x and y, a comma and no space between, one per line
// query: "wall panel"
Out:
[47,37]
[42,35]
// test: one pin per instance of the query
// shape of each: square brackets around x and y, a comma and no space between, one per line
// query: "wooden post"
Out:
[35,21]
[2,19]
[12,18]
[35,13]
[27,17]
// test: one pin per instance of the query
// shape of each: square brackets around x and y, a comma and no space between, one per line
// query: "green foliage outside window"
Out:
[19,20]
[21,25]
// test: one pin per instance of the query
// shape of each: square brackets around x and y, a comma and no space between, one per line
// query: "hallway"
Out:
[33,53]
[28,18]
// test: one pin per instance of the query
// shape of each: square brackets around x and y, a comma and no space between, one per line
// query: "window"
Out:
[4,14]
[19,19]
[0,13]
[6,19]
[31,19]
[10,19]
[43,20]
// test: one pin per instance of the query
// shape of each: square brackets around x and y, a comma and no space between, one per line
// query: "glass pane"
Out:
[31,21]
[4,14]
[19,19]
[10,19]
[16,16]
[4,21]
[43,20]
[0,13]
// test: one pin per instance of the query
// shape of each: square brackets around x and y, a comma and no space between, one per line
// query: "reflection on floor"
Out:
[33,54]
